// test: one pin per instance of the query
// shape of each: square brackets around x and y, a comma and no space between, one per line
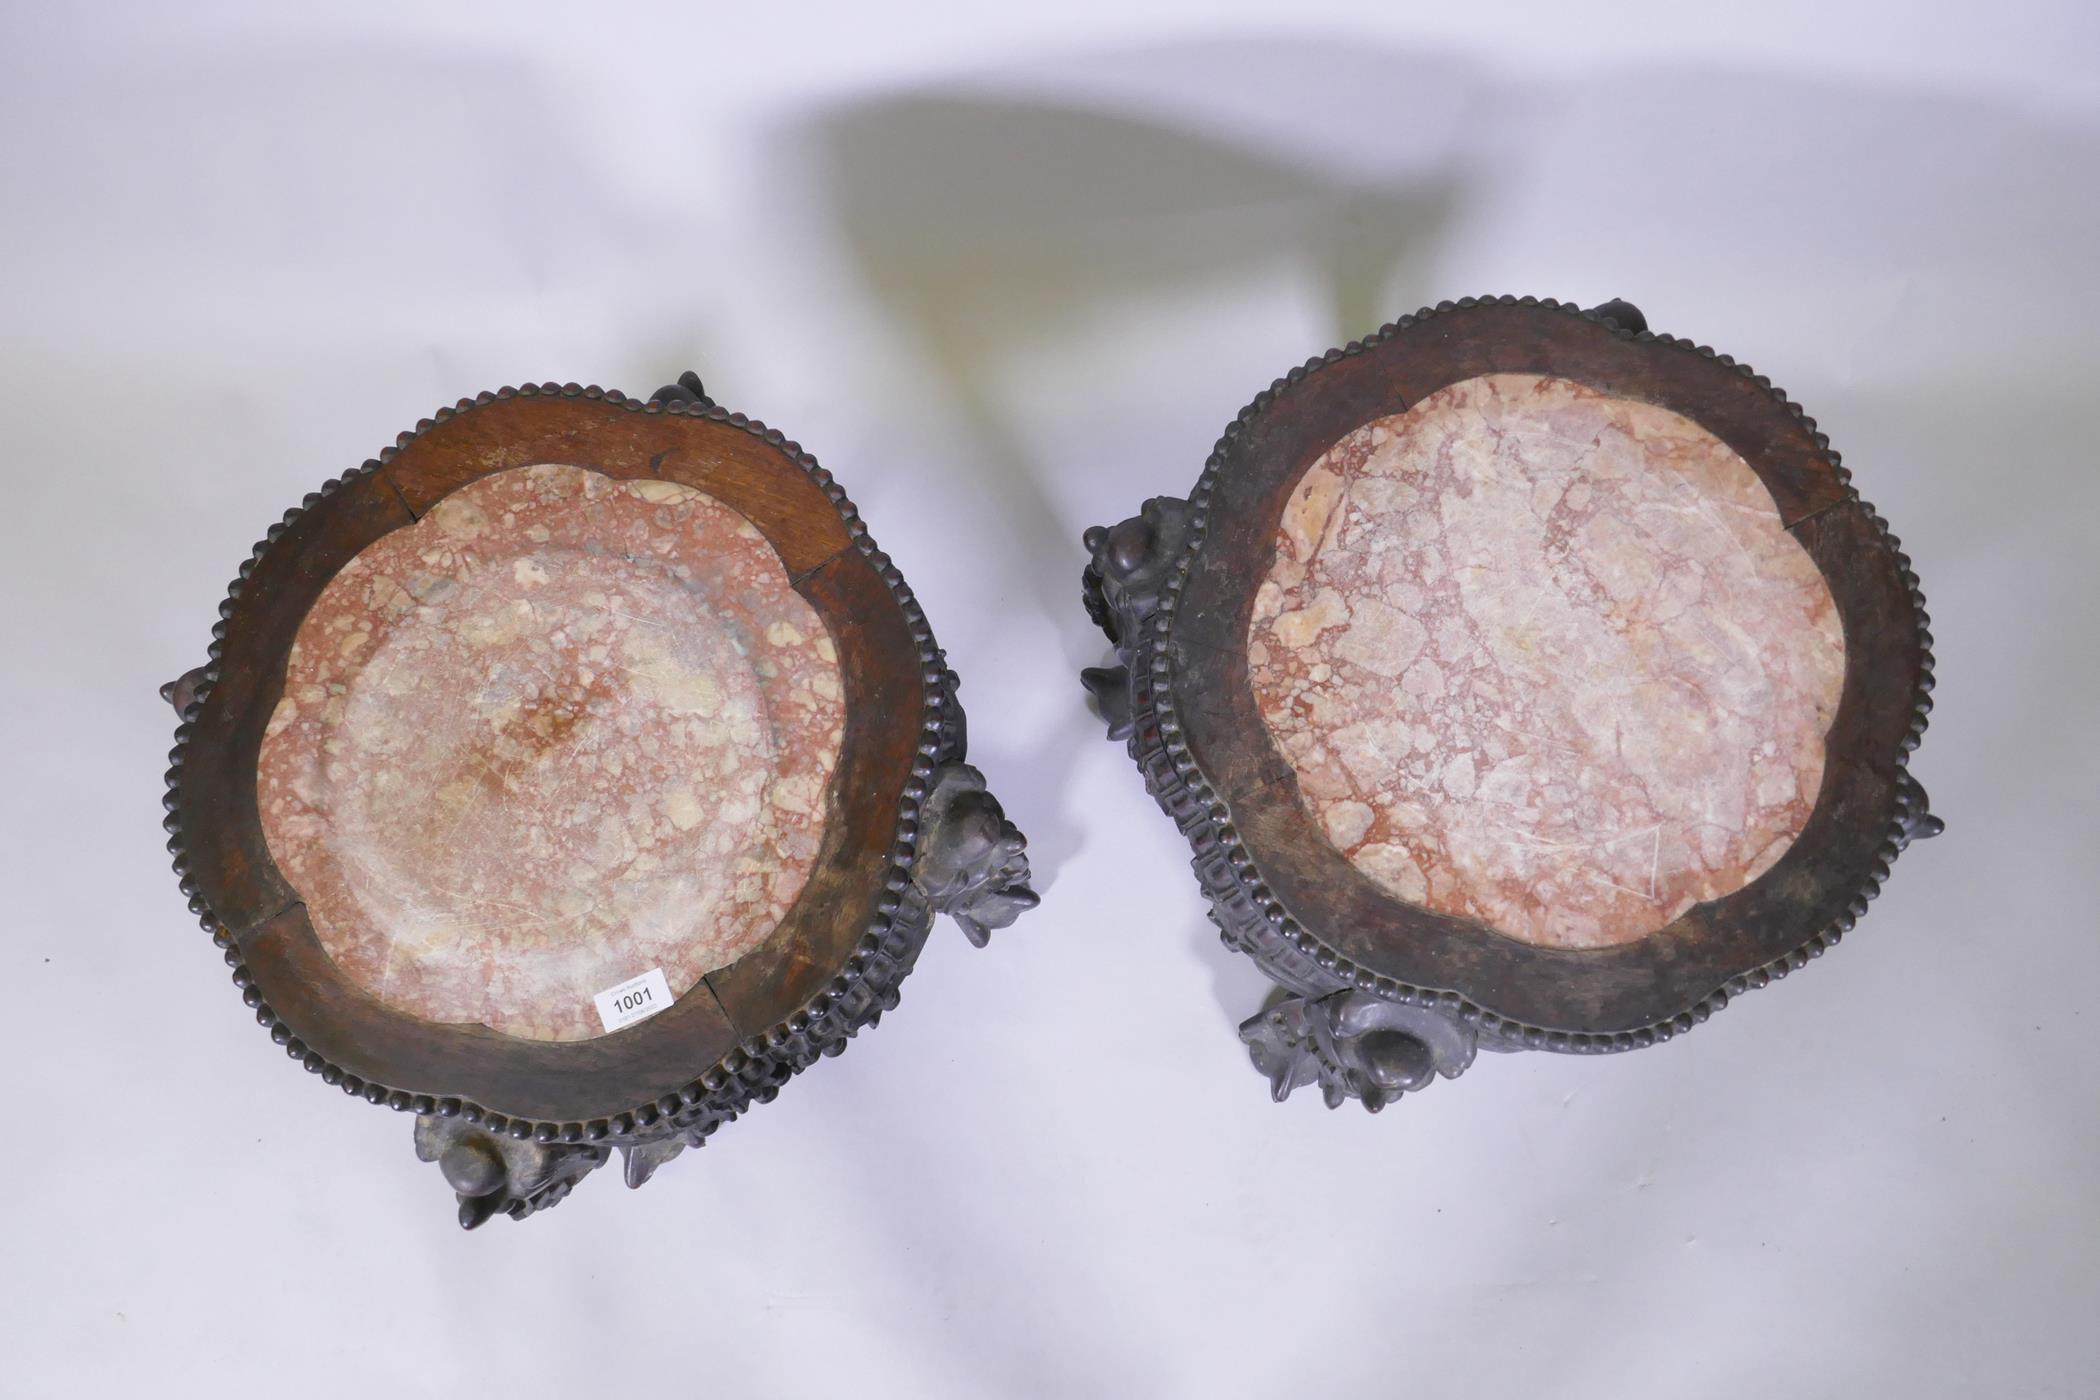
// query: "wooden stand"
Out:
[1383,993]
[514,1122]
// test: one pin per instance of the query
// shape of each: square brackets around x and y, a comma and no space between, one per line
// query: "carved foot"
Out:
[640,1160]
[182,691]
[973,865]
[1122,587]
[495,1175]
[1131,560]
[1110,687]
[1355,1045]
[686,390]
[1624,313]
[1913,809]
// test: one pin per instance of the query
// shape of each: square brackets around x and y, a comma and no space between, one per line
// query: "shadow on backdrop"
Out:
[994,230]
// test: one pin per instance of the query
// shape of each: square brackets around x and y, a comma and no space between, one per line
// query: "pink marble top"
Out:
[560,731]
[1547,659]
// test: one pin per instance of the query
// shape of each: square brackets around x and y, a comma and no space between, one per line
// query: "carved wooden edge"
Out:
[954,852]
[1354,1033]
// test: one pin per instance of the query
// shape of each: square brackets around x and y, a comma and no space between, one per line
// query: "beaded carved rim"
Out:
[749,1050]
[1284,925]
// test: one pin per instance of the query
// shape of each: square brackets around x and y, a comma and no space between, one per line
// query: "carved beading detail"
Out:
[1130,588]
[978,871]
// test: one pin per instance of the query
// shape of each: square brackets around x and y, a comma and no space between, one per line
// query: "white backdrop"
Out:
[1007,274]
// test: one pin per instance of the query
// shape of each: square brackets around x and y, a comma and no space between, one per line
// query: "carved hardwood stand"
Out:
[513,1124]
[1372,1018]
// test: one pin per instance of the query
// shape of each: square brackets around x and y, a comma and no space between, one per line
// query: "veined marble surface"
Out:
[1547,659]
[560,731]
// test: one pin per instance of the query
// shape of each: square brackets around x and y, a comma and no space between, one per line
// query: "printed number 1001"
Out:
[629,1001]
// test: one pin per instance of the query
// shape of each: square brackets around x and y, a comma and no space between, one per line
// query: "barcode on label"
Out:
[636,999]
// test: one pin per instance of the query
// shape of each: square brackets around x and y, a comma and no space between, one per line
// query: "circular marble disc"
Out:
[1546,659]
[561,731]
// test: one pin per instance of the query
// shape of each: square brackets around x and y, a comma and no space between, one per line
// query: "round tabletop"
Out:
[1542,661]
[566,704]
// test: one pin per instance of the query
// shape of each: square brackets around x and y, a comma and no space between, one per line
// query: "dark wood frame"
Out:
[1175,587]
[905,805]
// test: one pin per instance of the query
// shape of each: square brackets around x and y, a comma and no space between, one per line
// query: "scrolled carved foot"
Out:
[640,1160]
[1914,814]
[973,864]
[1124,580]
[1624,313]
[1110,687]
[688,389]
[182,691]
[494,1175]
[1130,563]
[1355,1045]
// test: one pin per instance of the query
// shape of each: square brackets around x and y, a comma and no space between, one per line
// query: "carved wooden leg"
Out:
[498,1175]
[1356,1046]
[973,865]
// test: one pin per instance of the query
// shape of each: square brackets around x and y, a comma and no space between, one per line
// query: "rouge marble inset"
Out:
[1547,659]
[560,731]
